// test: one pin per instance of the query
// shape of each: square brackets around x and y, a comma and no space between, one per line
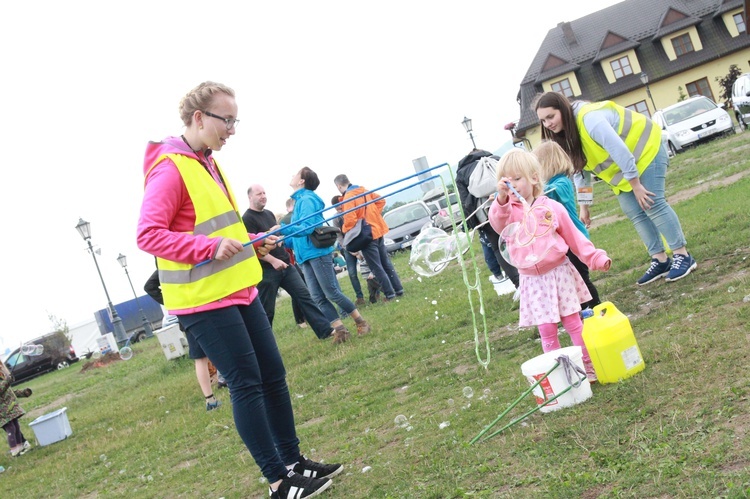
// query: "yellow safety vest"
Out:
[186,285]
[640,134]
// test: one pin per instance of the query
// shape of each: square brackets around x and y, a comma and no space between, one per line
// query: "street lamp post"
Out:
[84,229]
[146,324]
[644,80]
[467,125]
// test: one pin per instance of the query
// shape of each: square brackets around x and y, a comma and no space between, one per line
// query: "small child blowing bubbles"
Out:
[556,169]
[551,289]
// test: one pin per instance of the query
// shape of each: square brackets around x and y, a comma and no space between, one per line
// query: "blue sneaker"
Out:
[656,271]
[682,266]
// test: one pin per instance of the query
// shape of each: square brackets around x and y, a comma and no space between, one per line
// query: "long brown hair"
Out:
[569,138]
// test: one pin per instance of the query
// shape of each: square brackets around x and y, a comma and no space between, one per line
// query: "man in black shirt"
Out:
[277,270]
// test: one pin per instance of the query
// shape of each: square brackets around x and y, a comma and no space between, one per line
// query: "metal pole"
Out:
[119,330]
[472,140]
[648,91]
[146,323]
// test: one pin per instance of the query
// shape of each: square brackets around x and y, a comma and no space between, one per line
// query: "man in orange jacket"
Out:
[375,254]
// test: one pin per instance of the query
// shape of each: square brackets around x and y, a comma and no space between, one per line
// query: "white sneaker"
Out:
[495,280]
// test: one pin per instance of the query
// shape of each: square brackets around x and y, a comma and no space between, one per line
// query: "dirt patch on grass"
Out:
[52,406]
[680,196]
[104,360]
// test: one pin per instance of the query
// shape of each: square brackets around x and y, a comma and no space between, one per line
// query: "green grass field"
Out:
[680,428]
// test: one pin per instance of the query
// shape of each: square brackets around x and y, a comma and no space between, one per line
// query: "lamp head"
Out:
[84,229]
[122,260]
[644,78]
[467,124]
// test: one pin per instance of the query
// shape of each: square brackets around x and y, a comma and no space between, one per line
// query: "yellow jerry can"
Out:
[611,344]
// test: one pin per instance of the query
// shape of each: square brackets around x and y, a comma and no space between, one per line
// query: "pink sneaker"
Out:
[590,372]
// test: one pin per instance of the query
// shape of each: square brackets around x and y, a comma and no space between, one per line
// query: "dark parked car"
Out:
[40,356]
[405,223]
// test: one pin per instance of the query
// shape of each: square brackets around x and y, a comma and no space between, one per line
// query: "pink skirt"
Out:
[548,297]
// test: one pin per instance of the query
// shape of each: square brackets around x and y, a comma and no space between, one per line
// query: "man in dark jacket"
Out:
[470,204]
[278,272]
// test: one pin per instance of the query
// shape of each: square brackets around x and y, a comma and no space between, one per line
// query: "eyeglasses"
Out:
[230,122]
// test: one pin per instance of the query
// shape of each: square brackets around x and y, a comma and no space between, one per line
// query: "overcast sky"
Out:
[361,88]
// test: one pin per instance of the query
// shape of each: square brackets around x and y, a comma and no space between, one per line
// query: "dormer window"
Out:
[739,21]
[563,87]
[621,67]
[682,44]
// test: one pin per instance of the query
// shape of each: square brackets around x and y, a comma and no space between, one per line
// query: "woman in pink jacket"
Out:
[208,272]
[538,233]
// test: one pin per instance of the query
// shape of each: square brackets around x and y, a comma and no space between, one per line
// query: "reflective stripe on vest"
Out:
[637,131]
[187,286]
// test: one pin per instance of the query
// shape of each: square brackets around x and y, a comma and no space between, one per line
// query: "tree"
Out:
[680,94]
[727,82]
[59,326]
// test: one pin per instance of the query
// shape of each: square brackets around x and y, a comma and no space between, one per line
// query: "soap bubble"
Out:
[433,249]
[731,289]
[451,402]
[746,299]
[525,237]
[103,458]
[96,354]
[126,353]
[366,469]
[401,421]
[444,424]
[487,392]
[468,392]
[32,350]
[162,399]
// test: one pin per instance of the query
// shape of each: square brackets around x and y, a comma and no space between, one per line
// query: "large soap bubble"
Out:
[524,244]
[433,249]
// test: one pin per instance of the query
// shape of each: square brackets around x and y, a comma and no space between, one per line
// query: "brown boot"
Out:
[340,335]
[363,328]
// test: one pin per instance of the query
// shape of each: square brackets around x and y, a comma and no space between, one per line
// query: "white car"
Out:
[692,121]
[439,208]
[741,100]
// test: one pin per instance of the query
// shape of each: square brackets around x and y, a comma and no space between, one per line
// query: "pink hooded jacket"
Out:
[502,215]
[168,216]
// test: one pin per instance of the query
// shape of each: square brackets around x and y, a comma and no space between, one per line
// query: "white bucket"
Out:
[557,382]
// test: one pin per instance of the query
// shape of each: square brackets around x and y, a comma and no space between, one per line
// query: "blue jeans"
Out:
[351,268]
[489,257]
[380,265]
[290,280]
[660,218]
[324,287]
[239,341]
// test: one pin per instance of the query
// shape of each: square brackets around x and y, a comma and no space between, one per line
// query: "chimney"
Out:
[570,37]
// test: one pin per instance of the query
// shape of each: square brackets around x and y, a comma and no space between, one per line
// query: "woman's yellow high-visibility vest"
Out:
[637,131]
[186,286]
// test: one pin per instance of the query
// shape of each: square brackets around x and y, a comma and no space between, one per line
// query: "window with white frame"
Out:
[682,44]
[563,87]
[640,107]
[621,67]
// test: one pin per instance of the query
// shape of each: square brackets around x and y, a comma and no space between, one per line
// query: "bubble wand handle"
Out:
[514,191]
